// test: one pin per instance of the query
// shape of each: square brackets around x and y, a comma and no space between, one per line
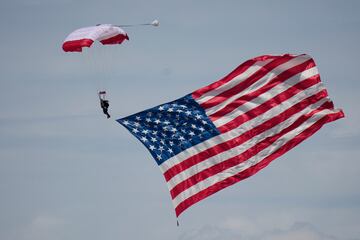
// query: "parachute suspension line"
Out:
[91,65]
[96,65]
[110,68]
[102,64]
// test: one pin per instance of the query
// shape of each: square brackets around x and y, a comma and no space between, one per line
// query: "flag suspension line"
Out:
[154,23]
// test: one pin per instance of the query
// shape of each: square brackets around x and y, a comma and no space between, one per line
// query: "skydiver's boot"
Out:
[105,111]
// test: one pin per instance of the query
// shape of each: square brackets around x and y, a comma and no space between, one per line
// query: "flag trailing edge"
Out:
[229,130]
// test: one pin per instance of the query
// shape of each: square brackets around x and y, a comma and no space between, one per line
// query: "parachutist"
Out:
[104,103]
[105,106]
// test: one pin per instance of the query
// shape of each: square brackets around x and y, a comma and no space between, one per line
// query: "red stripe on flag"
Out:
[273,102]
[231,162]
[237,71]
[246,83]
[195,159]
[254,169]
[282,77]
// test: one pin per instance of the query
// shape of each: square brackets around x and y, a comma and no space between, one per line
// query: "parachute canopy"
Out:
[84,37]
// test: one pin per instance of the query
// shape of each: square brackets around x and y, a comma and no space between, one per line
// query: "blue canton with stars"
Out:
[170,128]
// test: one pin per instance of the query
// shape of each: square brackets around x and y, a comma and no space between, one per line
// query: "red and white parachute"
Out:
[84,37]
[104,33]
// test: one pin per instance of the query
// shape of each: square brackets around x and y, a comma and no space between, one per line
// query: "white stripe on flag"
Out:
[266,96]
[232,83]
[241,148]
[251,161]
[261,82]
[240,129]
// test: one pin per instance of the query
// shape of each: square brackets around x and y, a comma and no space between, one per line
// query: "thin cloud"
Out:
[298,231]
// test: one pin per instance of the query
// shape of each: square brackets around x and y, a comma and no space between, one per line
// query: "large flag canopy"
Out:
[227,131]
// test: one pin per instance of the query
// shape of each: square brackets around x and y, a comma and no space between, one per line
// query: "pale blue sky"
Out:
[68,173]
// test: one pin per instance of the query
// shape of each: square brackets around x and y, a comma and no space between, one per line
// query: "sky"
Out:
[66,172]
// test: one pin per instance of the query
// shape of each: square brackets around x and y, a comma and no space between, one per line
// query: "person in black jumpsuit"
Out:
[104,105]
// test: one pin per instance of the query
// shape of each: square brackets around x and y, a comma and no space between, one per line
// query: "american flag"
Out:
[225,132]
